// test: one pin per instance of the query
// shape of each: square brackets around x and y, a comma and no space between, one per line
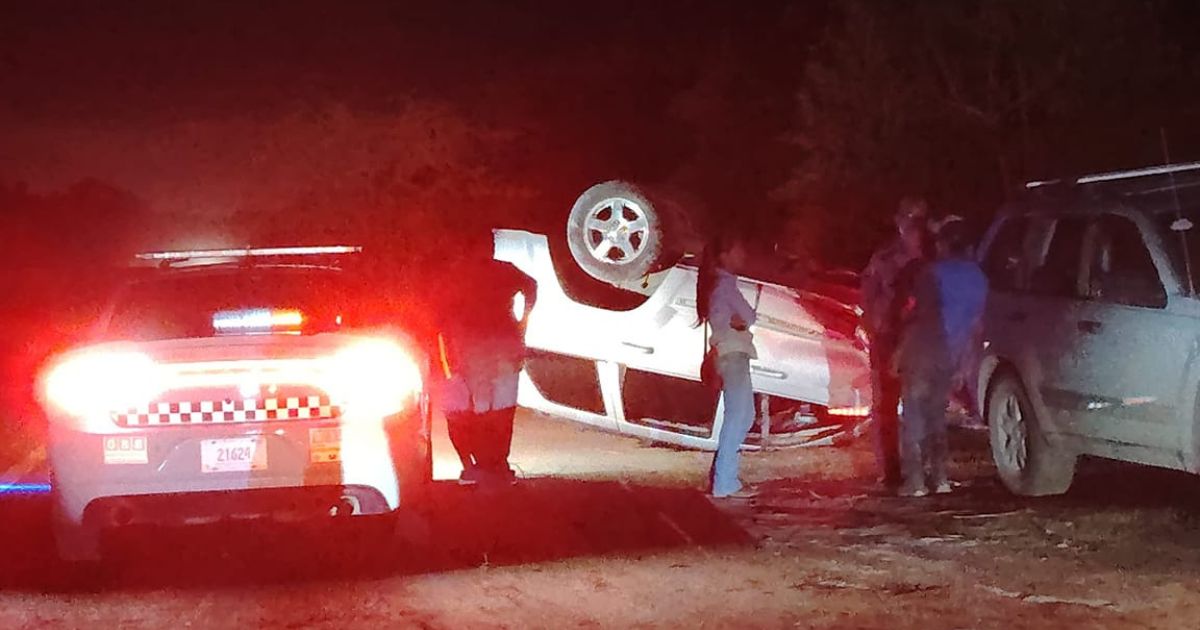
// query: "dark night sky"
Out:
[117,90]
[211,108]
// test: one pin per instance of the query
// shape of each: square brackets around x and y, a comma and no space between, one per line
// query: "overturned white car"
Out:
[628,358]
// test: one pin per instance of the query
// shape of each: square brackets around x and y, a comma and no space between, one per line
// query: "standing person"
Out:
[886,285]
[722,307]
[481,349]
[964,387]
[946,319]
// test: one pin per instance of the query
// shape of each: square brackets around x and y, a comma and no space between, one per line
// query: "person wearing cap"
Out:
[886,287]
[946,318]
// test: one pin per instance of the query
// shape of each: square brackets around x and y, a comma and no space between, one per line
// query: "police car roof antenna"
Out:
[1187,254]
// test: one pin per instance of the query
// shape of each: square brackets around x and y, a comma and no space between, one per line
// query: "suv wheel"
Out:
[616,234]
[1027,461]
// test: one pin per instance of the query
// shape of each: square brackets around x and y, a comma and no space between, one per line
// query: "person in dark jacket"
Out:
[481,351]
[944,326]
[886,287]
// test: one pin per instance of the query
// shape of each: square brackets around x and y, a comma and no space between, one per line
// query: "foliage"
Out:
[962,101]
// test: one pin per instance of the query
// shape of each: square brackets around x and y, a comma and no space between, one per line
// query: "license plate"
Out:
[242,454]
[325,444]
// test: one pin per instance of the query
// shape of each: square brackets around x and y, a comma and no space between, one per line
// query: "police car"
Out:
[235,384]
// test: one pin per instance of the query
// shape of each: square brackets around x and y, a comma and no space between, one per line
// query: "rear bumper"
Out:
[201,507]
[166,480]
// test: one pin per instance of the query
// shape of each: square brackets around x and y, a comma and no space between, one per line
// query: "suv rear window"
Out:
[184,304]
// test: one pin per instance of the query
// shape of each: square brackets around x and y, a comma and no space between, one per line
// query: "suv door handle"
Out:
[1089,326]
[768,372]
[638,347]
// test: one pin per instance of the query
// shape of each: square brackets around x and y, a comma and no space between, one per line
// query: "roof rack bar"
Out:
[1119,175]
[251,251]
[1141,172]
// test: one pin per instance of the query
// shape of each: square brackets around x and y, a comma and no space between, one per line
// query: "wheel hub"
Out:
[616,231]
[1014,433]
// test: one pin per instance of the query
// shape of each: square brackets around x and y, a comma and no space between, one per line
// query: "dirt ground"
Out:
[605,531]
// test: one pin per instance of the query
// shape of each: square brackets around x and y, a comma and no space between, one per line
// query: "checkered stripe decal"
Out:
[220,411]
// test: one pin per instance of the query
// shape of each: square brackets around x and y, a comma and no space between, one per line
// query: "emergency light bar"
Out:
[251,252]
[256,320]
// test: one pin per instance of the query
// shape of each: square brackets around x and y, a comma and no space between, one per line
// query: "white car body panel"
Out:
[798,359]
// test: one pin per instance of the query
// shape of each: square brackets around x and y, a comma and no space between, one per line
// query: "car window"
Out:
[189,305]
[1003,261]
[1058,273]
[1120,268]
[1179,233]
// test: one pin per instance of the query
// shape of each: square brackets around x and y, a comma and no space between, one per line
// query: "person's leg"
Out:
[739,416]
[460,425]
[913,427]
[885,420]
[936,449]
[495,441]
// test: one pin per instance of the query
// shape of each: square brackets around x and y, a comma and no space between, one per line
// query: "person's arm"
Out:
[743,314]
[870,289]
[720,314]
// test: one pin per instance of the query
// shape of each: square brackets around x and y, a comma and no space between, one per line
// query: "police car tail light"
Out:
[91,383]
[372,378]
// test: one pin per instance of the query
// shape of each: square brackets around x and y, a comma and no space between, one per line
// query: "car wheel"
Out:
[616,235]
[1027,460]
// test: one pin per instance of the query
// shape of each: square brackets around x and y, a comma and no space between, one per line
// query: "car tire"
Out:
[1028,460]
[616,234]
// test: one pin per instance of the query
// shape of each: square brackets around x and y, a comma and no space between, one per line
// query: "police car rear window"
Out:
[212,303]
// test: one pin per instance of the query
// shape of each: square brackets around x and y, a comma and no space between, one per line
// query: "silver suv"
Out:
[1093,326]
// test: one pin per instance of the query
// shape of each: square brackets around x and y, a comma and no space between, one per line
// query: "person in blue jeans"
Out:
[722,307]
[942,329]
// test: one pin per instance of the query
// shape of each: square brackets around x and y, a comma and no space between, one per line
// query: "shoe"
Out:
[944,487]
[745,492]
[470,476]
[913,492]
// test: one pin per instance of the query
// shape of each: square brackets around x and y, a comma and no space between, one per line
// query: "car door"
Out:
[1038,323]
[1130,360]
[662,335]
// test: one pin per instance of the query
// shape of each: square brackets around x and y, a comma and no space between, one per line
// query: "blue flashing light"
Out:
[24,488]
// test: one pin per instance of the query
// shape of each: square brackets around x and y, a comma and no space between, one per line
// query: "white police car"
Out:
[235,384]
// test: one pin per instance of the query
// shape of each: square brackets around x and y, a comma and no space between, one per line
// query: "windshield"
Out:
[234,301]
